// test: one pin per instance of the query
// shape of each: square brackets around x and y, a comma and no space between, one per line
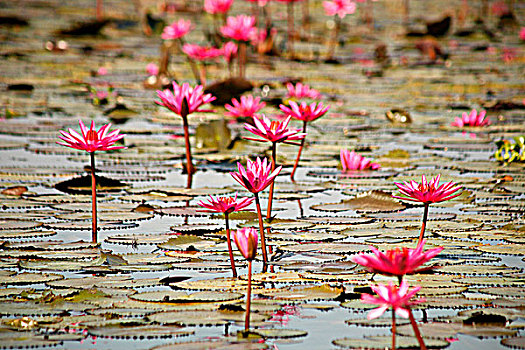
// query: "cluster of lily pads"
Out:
[55,289]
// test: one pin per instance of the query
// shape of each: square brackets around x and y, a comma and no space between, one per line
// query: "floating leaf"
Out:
[373,202]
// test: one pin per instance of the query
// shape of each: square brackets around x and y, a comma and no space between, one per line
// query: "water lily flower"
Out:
[354,161]
[183,101]
[273,130]
[217,6]
[91,141]
[246,241]
[227,205]
[472,119]
[300,90]
[194,96]
[201,53]
[427,192]
[390,296]
[306,113]
[397,262]
[240,28]
[399,299]
[229,51]
[177,29]
[152,69]
[339,8]
[246,108]
[255,178]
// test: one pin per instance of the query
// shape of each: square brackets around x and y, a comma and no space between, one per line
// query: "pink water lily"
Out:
[472,119]
[226,205]
[201,53]
[194,96]
[304,111]
[428,191]
[300,90]
[91,140]
[399,299]
[217,6]
[397,262]
[152,69]
[177,29]
[390,296]
[240,28]
[273,130]
[354,161]
[339,8]
[246,108]
[257,176]
[183,101]
[246,240]
[229,51]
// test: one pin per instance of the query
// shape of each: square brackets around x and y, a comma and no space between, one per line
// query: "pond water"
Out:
[77,294]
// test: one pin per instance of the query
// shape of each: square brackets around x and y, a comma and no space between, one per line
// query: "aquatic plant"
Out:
[183,101]
[338,9]
[257,176]
[397,298]
[246,107]
[306,113]
[472,119]
[354,161]
[92,141]
[227,205]
[397,262]
[246,241]
[300,91]
[273,131]
[427,192]
[241,29]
